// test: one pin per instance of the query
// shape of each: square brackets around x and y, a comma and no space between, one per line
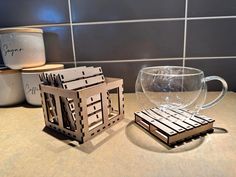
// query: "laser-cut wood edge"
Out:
[172,137]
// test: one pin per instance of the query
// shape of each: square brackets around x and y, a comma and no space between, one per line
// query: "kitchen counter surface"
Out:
[28,149]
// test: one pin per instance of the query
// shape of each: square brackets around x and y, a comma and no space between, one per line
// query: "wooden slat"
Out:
[184,115]
[200,121]
[164,121]
[193,123]
[71,74]
[95,118]
[74,85]
[183,124]
[68,71]
[153,114]
[80,73]
[93,99]
[174,119]
[94,107]
[161,113]
[181,117]
[170,112]
[208,119]
[157,124]
[90,100]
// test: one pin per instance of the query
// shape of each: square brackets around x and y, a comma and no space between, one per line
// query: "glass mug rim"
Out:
[195,71]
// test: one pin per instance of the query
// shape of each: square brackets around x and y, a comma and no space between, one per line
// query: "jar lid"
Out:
[5,70]
[21,30]
[47,67]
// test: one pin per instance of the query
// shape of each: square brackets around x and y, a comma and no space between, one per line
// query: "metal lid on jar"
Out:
[5,70]
[44,68]
[21,30]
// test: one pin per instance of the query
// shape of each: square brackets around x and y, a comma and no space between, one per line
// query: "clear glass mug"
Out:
[176,88]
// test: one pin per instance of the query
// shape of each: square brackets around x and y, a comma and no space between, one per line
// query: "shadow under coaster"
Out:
[173,126]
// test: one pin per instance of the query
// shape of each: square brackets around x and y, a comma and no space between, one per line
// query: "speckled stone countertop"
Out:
[28,149]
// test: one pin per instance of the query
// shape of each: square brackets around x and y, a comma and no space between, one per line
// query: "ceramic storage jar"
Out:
[22,47]
[11,88]
[31,81]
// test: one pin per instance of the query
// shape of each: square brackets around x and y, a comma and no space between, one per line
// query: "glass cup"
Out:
[175,88]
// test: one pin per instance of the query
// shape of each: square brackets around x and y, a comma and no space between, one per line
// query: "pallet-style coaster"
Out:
[173,126]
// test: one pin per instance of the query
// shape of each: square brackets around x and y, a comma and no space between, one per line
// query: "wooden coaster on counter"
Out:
[173,126]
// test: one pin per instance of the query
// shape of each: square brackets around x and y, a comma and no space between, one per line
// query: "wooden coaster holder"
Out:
[81,97]
[173,126]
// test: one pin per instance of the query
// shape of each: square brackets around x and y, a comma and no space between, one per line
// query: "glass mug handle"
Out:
[221,95]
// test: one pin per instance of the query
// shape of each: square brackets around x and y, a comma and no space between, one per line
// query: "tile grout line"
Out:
[128,21]
[210,17]
[121,21]
[185,31]
[130,61]
[152,59]
[35,26]
[184,45]
[143,60]
[208,58]
[121,61]
[72,33]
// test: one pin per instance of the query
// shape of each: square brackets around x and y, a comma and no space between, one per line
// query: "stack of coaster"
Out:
[173,126]
[77,80]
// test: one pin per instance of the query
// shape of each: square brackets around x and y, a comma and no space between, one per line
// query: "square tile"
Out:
[103,10]
[129,70]
[205,8]
[129,40]
[25,12]
[224,68]
[58,45]
[206,38]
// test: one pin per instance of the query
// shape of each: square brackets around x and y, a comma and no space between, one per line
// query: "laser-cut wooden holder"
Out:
[173,126]
[76,102]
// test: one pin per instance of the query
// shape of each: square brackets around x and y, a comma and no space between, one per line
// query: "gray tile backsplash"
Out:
[204,8]
[124,36]
[215,37]
[103,10]
[129,40]
[26,12]
[58,44]
[224,68]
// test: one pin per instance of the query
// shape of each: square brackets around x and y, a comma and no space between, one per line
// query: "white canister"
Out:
[31,81]
[22,47]
[11,88]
